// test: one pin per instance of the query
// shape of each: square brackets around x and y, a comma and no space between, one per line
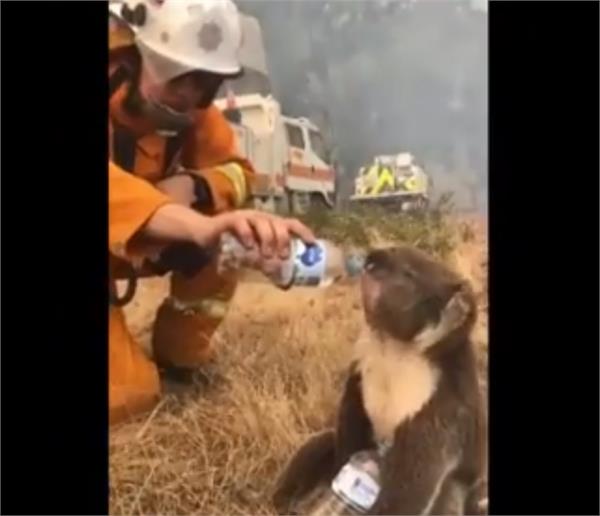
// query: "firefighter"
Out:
[169,144]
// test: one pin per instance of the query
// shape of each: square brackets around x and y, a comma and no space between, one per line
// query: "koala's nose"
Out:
[355,264]
[376,261]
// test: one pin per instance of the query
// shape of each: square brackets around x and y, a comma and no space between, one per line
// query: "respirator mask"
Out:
[198,86]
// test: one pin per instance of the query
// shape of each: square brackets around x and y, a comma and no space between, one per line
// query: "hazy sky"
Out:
[385,77]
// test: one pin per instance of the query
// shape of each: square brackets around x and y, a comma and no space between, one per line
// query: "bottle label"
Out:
[356,487]
[309,263]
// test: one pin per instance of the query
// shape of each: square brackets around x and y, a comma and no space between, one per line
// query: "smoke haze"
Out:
[384,77]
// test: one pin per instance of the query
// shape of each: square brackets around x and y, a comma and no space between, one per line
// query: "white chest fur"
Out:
[396,382]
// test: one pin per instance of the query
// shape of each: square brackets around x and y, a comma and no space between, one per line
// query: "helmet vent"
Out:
[210,37]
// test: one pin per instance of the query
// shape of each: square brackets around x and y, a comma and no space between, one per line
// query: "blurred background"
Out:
[382,76]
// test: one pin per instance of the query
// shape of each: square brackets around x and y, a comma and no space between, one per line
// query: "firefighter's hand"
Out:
[266,233]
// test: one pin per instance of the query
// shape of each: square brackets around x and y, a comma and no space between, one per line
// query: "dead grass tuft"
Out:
[280,365]
[360,226]
[276,381]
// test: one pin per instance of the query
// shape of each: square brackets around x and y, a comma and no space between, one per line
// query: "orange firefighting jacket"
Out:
[138,157]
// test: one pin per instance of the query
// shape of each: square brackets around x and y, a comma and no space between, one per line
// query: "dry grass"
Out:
[432,231]
[276,380]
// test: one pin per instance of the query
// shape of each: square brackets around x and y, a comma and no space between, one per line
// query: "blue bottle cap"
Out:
[355,263]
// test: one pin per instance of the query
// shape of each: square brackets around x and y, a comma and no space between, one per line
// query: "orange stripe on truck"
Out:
[318,174]
[263,181]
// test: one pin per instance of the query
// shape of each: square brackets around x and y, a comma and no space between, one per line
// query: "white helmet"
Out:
[180,36]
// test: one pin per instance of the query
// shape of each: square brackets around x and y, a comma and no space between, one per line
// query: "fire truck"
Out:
[396,181]
[291,158]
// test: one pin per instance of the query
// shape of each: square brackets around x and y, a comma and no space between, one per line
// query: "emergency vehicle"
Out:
[393,180]
[289,154]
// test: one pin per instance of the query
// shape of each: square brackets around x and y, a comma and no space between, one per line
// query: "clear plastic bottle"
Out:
[354,489]
[316,265]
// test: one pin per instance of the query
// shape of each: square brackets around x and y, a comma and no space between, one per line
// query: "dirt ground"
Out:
[281,360]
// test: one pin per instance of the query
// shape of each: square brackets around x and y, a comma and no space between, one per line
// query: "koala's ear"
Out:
[461,294]
[451,315]
[458,287]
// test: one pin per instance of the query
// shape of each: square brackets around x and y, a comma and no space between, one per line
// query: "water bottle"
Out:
[355,488]
[317,265]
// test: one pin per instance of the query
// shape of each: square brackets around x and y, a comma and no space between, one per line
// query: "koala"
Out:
[412,391]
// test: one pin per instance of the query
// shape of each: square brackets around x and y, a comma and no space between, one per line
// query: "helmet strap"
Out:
[166,119]
[211,89]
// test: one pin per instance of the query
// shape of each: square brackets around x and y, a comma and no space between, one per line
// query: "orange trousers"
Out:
[182,334]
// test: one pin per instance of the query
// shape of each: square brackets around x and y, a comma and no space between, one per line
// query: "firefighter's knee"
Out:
[187,320]
[134,385]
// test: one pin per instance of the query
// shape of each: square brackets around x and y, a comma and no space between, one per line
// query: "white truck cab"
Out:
[289,154]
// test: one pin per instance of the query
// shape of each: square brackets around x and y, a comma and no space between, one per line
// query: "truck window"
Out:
[318,145]
[295,136]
